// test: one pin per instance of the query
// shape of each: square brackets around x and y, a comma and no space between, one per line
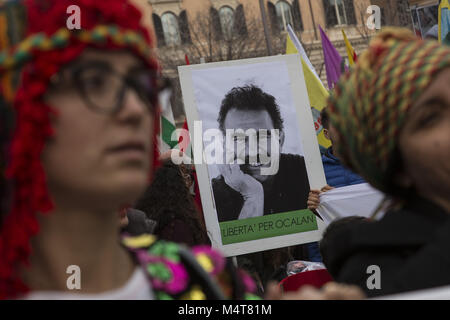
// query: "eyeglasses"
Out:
[103,89]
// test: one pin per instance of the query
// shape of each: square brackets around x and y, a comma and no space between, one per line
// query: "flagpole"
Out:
[266,29]
[313,20]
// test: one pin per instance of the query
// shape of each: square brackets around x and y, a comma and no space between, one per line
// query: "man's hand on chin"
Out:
[251,190]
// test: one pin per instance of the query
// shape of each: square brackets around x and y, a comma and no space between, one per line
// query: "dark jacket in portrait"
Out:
[411,247]
[288,192]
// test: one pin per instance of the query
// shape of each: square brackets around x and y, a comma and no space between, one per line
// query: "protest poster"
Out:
[255,151]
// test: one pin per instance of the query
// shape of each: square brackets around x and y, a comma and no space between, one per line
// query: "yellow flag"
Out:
[350,51]
[290,47]
[316,92]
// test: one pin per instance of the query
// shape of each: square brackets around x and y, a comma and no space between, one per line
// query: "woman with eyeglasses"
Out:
[83,147]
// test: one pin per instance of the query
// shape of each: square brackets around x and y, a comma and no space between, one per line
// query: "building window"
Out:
[339,9]
[171,29]
[284,15]
[226,16]
[184,26]
[240,26]
[339,12]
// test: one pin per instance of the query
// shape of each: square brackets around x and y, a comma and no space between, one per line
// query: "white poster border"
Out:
[312,156]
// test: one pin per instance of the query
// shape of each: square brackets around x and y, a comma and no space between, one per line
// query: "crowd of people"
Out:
[82,180]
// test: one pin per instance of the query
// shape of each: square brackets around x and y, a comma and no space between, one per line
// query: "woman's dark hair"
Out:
[6,127]
[395,168]
[168,199]
[250,97]
[325,119]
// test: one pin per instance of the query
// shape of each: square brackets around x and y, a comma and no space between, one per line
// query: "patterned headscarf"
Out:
[369,105]
[50,45]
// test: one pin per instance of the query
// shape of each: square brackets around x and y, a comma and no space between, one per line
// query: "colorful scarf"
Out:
[369,105]
[48,46]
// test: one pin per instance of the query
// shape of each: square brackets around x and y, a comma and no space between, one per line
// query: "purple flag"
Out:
[334,64]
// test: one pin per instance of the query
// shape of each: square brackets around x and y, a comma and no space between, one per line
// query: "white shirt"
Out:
[137,288]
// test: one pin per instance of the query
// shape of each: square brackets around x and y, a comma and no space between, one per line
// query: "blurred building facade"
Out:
[218,30]
[424,14]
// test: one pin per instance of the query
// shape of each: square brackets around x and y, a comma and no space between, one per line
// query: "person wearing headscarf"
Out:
[391,115]
[83,147]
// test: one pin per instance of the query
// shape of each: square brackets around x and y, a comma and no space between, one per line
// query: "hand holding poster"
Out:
[253,127]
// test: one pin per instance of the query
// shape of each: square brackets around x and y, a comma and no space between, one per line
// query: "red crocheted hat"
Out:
[50,45]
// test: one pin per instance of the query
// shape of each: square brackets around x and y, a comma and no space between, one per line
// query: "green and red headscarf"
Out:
[49,45]
[370,104]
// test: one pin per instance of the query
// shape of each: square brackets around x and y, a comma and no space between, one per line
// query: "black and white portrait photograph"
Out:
[253,147]
[244,98]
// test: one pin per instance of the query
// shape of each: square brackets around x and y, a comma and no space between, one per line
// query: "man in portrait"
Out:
[241,190]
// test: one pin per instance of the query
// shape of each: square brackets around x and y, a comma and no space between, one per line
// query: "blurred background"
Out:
[219,30]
